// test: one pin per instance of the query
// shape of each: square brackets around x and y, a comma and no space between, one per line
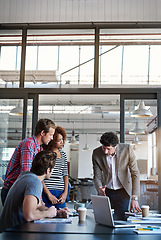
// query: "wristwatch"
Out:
[134,198]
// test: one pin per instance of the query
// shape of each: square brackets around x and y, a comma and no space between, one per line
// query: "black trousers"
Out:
[119,202]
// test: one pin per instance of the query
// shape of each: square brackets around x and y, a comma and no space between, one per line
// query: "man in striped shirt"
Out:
[25,152]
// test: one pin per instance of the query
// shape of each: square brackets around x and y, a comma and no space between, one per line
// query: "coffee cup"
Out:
[82,214]
[78,205]
[145,210]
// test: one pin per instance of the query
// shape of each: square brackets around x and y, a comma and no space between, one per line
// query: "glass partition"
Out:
[140,132]
[11,123]
[85,118]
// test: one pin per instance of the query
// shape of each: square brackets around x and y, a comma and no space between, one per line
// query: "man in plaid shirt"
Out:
[25,152]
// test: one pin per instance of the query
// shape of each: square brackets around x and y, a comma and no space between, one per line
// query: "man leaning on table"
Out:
[116,174]
[23,202]
[25,152]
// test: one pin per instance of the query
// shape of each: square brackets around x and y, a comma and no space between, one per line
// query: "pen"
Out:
[144,229]
[153,227]
[147,229]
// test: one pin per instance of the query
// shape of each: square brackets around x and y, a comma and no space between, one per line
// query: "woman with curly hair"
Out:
[56,188]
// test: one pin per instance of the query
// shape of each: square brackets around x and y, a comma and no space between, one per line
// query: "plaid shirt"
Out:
[21,159]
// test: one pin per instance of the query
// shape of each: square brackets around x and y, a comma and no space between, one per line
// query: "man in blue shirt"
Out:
[23,202]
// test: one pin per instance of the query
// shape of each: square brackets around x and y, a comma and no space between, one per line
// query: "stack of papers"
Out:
[151,214]
[140,219]
[133,214]
[148,230]
[54,220]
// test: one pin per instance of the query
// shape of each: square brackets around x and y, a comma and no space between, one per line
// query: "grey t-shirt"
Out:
[26,184]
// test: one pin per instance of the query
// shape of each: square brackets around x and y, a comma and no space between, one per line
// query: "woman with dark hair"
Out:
[56,187]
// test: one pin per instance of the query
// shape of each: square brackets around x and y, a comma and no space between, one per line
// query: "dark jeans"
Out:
[4,193]
[47,202]
[119,202]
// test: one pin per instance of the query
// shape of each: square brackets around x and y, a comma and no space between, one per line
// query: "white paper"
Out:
[54,220]
[140,219]
[144,231]
[151,215]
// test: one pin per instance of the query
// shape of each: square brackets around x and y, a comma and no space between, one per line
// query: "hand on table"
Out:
[52,212]
[134,206]
[63,213]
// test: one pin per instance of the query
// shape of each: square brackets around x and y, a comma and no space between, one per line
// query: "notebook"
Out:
[103,213]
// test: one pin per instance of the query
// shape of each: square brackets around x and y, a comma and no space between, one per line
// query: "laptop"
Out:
[103,213]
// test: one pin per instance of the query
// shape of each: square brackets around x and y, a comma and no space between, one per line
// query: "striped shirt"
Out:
[21,159]
[56,181]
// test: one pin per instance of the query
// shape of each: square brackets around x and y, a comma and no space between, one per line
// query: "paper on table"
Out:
[148,230]
[54,220]
[133,214]
[140,219]
[139,214]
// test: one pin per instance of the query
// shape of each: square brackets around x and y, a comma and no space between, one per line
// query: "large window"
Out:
[155,65]
[135,65]
[133,58]
[57,58]
[10,57]
[110,64]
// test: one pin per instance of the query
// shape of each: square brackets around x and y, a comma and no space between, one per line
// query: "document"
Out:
[151,214]
[54,220]
[148,230]
[133,214]
[140,219]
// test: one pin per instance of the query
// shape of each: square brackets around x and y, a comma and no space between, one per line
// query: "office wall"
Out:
[85,167]
[21,11]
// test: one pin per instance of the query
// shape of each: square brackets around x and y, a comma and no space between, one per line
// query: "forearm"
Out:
[66,184]
[50,196]
[136,186]
[135,175]
[97,174]
[46,190]
[32,211]
[97,178]
[42,208]
[37,214]
[63,195]
[97,183]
